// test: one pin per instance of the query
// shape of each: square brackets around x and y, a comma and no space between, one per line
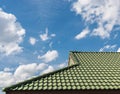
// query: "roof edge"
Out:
[92,52]
[35,78]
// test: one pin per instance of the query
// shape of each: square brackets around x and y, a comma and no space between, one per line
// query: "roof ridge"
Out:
[92,52]
[38,77]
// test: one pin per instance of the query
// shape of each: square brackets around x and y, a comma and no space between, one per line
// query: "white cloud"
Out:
[8,69]
[82,34]
[62,65]
[6,78]
[118,50]
[26,71]
[21,73]
[100,31]
[53,35]
[45,36]
[32,41]
[49,56]
[104,13]
[49,69]
[11,34]
[108,48]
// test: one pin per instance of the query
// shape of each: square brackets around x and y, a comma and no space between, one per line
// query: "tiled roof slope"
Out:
[93,70]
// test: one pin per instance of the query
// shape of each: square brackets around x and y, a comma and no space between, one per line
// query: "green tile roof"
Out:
[92,70]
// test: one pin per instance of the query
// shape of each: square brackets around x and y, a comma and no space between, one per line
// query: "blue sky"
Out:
[37,35]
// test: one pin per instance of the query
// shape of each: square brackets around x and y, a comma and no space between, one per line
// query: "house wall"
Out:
[66,92]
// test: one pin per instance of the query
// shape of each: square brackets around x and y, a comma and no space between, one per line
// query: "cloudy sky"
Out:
[37,35]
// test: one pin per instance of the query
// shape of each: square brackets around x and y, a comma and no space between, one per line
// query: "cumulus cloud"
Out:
[6,78]
[62,65]
[49,69]
[11,34]
[49,56]
[26,71]
[21,73]
[108,48]
[82,34]
[45,36]
[8,69]
[104,13]
[32,41]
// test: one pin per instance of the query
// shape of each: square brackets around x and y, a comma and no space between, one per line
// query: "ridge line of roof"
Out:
[38,77]
[91,52]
